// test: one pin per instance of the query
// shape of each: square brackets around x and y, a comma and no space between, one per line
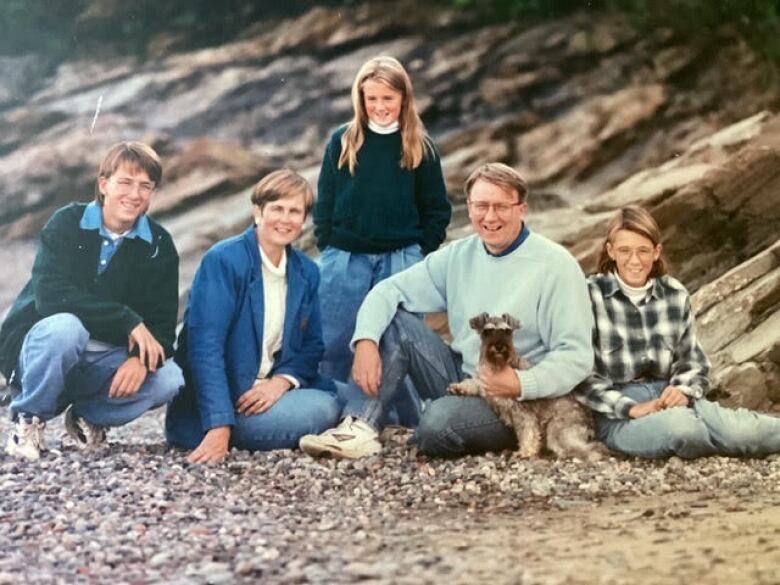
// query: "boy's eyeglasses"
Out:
[125,186]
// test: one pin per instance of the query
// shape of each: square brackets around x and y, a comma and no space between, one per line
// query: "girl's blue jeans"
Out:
[345,279]
[705,428]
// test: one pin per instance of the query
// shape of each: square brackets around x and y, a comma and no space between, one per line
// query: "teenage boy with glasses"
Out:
[503,268]
[92,331]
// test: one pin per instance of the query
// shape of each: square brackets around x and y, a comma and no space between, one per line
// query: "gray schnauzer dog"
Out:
[561,425]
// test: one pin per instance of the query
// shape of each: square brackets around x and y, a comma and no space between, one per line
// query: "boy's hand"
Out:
[127,379]
[150,352]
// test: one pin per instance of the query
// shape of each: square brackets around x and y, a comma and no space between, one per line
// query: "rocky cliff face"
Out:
[595,113]
[717,204]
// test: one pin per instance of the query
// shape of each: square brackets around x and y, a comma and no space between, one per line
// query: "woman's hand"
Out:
[644,408]
[672,397]
[262,396]
[213,447]
[503,383]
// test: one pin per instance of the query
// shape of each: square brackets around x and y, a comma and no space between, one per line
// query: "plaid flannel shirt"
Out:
[654,341]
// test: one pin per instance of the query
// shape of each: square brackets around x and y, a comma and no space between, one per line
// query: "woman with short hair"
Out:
[252,341]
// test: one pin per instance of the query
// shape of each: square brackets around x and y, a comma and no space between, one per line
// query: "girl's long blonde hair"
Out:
[415,143]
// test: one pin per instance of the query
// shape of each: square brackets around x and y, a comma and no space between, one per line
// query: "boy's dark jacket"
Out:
[141,284]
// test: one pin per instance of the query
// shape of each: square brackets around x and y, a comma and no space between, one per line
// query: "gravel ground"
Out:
[136,512]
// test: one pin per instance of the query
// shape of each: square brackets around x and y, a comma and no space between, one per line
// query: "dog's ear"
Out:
[479,321]
[511,321]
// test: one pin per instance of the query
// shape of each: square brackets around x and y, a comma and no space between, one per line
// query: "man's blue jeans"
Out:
[450,425]
[55,370]
[346,278]
[706,428]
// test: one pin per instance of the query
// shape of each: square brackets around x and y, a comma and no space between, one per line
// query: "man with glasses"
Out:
[92,331]
[503,268]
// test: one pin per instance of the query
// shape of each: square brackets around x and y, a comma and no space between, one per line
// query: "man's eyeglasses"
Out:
[482,207]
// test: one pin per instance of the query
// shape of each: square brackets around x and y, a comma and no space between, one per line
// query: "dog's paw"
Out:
[526,453]
[597,452]
[455,389]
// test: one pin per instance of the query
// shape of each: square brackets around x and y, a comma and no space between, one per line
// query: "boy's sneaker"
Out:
[26,438]
[84,433]
[352,439]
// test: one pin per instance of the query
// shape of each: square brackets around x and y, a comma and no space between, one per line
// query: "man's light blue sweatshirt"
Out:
[539,283]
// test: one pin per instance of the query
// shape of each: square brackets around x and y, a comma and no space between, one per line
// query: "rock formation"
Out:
[594,112]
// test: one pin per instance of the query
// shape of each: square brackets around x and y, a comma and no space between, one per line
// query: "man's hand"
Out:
[263,395]
[367,366]
[672,397]
[150,352]
[644,408]
[503,383]
[213,447]
[127,379]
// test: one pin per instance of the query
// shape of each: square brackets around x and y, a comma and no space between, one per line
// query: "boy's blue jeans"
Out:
[706,428]
[55,370]
[450,425]
[345,280]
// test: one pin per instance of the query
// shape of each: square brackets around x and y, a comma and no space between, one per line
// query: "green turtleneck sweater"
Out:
[383,207]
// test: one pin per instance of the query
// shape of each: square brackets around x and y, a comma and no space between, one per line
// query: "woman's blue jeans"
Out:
[298,412]
[705,428]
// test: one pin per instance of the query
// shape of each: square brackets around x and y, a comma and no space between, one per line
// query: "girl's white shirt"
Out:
[634,294]
[374,127]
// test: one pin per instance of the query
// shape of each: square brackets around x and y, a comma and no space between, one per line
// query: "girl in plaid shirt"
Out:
[650,374]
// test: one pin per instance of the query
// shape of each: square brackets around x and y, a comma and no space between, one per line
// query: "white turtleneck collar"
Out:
[374,127]
[280,270]
[634,294]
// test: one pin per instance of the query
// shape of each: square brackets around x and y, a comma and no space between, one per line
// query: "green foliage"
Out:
[496,10]
[758,21]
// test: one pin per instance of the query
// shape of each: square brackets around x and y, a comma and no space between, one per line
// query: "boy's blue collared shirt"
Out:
[92,219]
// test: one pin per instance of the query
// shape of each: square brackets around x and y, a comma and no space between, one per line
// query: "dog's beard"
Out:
[496,359]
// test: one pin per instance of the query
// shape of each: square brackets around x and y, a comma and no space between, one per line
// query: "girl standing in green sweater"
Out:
[381,204]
